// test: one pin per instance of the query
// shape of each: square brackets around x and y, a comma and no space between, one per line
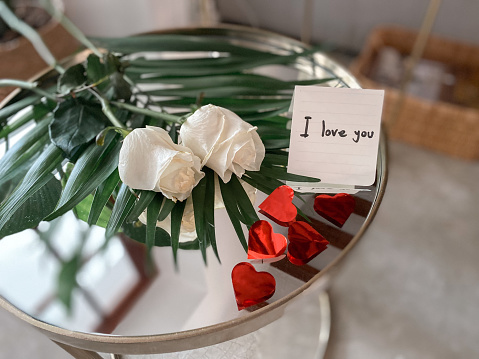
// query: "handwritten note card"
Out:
[335,134]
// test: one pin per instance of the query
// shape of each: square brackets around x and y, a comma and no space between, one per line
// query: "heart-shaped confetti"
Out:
[263,243]
[335,209]
[279,207]
[251,287]
[305,243]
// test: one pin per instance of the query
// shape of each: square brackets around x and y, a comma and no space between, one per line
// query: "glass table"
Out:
[122,306]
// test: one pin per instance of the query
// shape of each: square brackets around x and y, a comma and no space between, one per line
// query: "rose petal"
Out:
[223,141]
[149,160]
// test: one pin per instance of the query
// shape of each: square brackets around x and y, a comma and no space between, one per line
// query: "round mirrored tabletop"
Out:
[120,303]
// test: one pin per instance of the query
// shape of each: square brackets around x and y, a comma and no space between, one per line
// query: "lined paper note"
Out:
[335,134]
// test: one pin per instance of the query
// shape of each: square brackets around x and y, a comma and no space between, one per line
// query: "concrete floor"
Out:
[407,290]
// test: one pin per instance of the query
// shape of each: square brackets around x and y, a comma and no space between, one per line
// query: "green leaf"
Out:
[233,104]
[275,121]
[261,182]
[209,210]
[203,196]
[188,62]
[151,219]
[282,174]
[166,209]
[67,280]
[272,132]
[123,205]
[225,91]
[95,69]
[140,205]
[34,209]
[121,88]
[244,203]
[92,168]
[83,210]
[176,218]
[155,72]
[112,63]
[75,123]
[71,79]
[262,115]
[198,196]
[38,175]
[276,159]
[276,144]
[137,232]
[174,133]
[173,42]
[237,80]
[27,147]
[235,216]
[102,194]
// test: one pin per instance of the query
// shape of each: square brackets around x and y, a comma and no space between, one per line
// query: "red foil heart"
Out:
[263,242]
[305,243]
[335,209]
[279,207]
[251,287]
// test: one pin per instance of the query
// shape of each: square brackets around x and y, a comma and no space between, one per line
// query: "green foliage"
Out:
[75,123]
[93,167]
[19,156]
[95,69]
[105,89]
[83,212]
[34,209]
[71,79]
[176,218]
[102,195]
[124,203]
[67,280]
[204,206]
[38,175]
[151,219]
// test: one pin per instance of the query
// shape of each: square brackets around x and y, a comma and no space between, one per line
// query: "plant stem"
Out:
[144,111]
[32,86]
[27,31]
[70,27]
[105,106]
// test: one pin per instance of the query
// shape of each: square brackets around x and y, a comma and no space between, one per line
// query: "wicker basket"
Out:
[441,126]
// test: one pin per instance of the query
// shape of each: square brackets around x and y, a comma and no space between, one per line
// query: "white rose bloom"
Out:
[150,160]
[224,142]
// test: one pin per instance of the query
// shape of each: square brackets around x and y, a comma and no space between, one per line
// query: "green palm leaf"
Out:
[92,168]
[123,205]
[39,174]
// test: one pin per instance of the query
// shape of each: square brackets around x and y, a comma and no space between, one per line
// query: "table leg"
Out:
[325,324]
[78,353]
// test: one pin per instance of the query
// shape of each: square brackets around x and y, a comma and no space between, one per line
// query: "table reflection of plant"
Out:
[89,245]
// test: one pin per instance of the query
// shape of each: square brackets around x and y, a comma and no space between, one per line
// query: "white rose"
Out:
[224,142]
[149,160]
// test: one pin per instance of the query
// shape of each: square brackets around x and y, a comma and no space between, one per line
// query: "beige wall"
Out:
[348,22]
